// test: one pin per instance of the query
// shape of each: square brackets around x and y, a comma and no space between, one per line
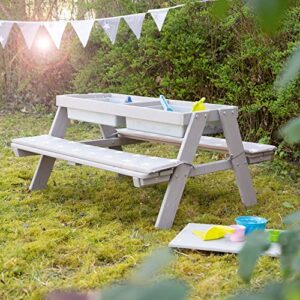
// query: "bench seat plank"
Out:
[206,142]
[137,164]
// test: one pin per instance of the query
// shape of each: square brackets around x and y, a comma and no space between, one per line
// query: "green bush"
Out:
[229,61]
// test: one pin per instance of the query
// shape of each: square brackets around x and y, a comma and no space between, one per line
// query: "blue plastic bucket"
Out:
[252,223]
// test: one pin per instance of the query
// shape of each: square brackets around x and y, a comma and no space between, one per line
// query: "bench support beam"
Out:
[179,178]
[238,156]
[46,163]
[216,166]
[111,142]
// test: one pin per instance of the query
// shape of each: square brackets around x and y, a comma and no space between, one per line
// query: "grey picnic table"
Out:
[144,120]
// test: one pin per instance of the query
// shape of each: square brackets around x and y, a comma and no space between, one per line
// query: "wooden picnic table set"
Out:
[133,119]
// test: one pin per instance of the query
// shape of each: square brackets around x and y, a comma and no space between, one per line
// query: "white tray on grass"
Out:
[185,239]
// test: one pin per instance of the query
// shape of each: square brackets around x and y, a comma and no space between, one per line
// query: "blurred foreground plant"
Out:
[143,285]
[257,243]
[269,15]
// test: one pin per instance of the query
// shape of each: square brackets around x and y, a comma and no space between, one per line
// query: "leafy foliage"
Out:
[140,286]
[229,61]
[291,131]
[256,244]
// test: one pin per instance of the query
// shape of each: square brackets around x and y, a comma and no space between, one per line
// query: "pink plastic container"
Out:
[239,234]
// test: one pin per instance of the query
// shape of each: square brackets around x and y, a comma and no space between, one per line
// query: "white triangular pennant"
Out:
[83,30]
[159,16]
[110,26]
[135,22]
[29,31]
[5,28]
[56,31]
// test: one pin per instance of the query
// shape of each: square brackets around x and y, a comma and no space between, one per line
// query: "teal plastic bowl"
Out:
[252,223]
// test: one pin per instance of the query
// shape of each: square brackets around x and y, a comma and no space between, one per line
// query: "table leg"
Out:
[46,163]
[108,132]
[179,178]
[238,157]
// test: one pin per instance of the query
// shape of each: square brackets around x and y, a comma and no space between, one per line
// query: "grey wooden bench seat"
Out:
[136,165]
[255,152]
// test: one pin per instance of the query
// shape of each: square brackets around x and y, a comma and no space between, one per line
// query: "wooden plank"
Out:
[112,142]
[206,143]
[139,182]
[45,166]
[60,123]
[238,158]
[211,167]
[172,197]
[191,140]
[122,110]
[135,162]
[178,180]
[132,111]
[42,173]
[86,162]
[109,132]
[22,153]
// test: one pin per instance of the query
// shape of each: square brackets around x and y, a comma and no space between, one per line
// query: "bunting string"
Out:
[83,28]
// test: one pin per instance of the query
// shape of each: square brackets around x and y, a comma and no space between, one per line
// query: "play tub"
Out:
[165,125]
[80,107]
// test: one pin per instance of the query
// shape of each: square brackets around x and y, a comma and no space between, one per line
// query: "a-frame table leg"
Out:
[108,132]
[179,178]
[238,158]
[46,163]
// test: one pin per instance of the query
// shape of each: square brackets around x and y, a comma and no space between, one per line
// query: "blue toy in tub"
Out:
[165,104]
[128,100]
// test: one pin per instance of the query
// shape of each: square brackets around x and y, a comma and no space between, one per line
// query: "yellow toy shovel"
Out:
[199,105]
[213,233]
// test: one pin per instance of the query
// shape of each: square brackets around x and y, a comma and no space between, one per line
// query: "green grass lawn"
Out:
[90,228]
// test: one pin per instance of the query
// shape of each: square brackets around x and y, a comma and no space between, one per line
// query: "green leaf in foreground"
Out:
[153,265]
[293,219]
[290,71]
[256,244]
[165,289]
[290,258]
[142,286]
[274,291]
[291,131]
[220,8]
[269,12]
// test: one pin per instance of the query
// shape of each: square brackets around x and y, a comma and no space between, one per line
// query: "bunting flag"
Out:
[29,31]
[83,30]
[56,31]
[159,16]
[110,26]
[5,28]
[135,22]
